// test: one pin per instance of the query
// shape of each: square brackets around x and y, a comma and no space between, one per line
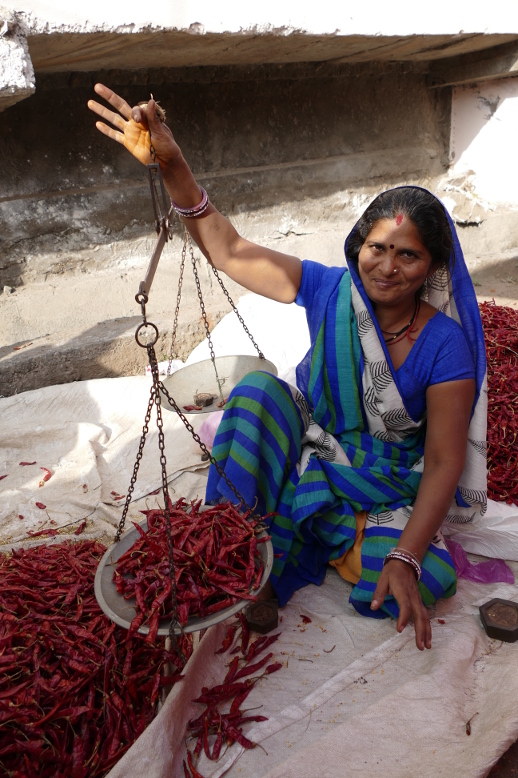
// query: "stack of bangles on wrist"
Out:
[197,210]
[405,556]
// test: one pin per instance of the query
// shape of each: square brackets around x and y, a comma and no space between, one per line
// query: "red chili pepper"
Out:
[41,506]
[260,645]
[25,464]
[47,475]
[229,638]
[249,669]
[199,745]
[239,700]
[216,750]
[245,632]
[195,773]
[232,670]
[234,735]
[81,527]
[3,476]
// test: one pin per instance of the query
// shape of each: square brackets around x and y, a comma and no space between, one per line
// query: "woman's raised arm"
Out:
[257,268]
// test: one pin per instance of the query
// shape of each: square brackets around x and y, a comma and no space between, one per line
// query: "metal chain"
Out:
[167,502]
[225,292]
[187,239]
[207,453]
[155,399]
[145,430]
[178,301]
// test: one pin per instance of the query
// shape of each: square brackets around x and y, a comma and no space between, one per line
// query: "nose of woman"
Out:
[389,263]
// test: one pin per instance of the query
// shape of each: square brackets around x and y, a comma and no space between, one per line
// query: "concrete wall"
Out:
[254,141]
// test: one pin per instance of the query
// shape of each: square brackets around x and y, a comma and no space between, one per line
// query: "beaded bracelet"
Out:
[197,210]
[405,556]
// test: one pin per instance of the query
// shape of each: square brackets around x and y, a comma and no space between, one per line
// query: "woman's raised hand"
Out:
[257,268]
[398,578]
[136,128]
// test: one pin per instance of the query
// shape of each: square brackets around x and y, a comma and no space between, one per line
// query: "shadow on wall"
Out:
[106,350]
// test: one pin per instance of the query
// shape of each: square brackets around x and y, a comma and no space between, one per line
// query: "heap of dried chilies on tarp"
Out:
[220,723]
[501,333]
[216,557]
[75,692]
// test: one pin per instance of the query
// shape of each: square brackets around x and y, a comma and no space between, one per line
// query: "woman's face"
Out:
[393,262]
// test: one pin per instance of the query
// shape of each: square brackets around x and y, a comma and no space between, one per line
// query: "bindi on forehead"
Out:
[399,219]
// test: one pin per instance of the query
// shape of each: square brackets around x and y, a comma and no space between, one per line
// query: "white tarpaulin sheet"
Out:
[353,696]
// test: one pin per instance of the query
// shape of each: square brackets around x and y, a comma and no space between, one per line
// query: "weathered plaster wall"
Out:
[253,142]
[484,132]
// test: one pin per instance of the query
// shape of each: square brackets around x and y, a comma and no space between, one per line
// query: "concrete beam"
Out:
[16,70]
[54,52]
[491,64]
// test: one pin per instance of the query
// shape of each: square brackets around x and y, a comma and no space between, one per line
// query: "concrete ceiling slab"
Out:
[69,51]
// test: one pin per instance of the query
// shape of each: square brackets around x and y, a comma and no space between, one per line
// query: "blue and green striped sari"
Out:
[259,444]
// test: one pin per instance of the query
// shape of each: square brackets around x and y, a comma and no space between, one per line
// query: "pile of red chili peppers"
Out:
[75,691]
[222,720]
[501,333]
[216,559]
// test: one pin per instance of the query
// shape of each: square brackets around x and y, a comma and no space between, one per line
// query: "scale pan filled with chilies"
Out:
[206,386]
[122,611]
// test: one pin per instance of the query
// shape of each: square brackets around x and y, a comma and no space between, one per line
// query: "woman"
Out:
[366,459]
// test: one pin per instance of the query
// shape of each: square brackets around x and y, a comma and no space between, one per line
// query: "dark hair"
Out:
[422,208]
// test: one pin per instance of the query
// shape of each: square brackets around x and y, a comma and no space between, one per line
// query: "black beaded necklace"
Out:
[395,337]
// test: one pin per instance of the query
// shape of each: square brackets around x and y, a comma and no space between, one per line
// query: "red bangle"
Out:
[197,210]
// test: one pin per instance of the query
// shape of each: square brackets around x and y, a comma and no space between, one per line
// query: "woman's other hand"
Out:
[398,578]
[136,128]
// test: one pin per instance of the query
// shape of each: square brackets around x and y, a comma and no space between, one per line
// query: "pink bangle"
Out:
[197,210]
